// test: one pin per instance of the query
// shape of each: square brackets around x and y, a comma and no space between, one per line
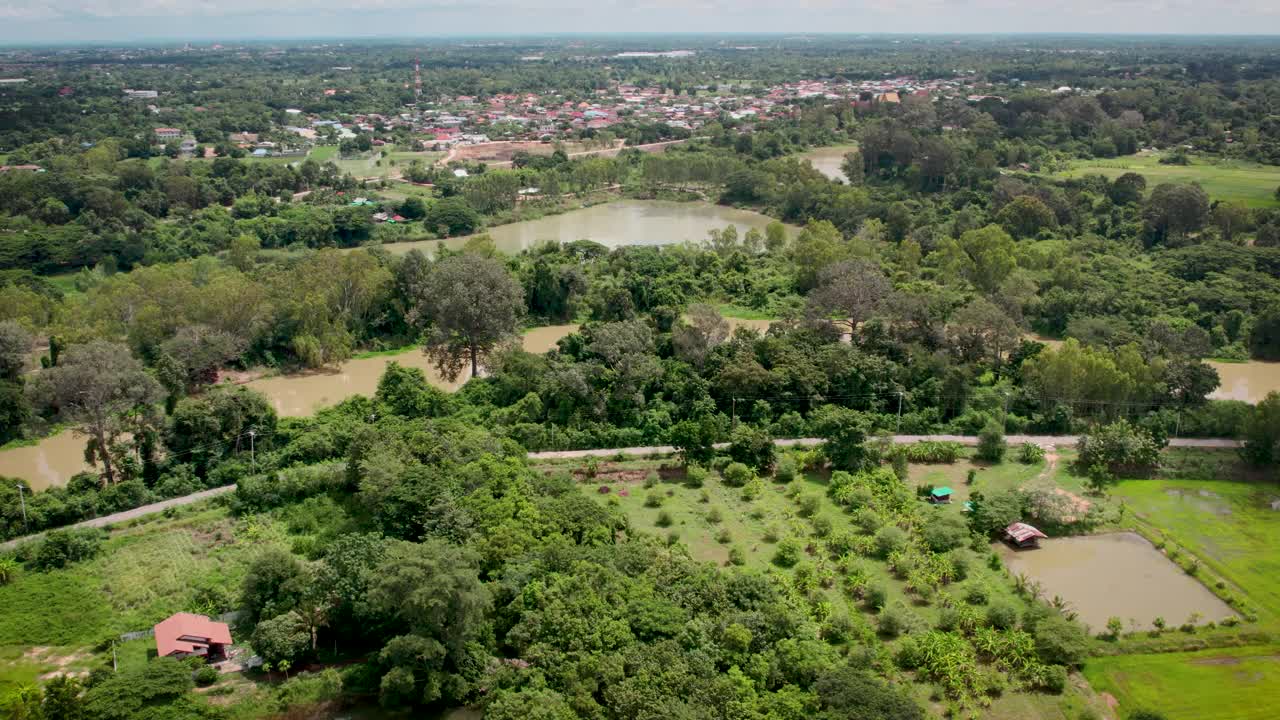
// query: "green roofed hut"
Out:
[940,496]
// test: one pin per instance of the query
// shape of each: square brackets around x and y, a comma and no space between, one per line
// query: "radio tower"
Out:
[417,82]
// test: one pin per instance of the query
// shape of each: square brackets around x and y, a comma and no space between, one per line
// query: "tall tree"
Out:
[94,386]
[852,291]
[473,305]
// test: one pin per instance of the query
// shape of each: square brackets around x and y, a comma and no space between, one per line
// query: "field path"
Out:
[1042,440]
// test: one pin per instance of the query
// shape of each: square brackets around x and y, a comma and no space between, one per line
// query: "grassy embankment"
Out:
[1232,180]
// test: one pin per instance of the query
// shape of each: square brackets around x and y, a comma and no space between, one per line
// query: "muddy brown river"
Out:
[614,224]
[55,459]
[1248,381]
[1115,575]
[827,160]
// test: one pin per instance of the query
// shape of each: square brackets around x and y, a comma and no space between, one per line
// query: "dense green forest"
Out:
[416,558]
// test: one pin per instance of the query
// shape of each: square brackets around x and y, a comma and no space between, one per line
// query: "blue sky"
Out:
[109,21]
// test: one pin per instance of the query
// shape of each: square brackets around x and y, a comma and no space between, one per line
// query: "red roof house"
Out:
[187,634]
[1023,535]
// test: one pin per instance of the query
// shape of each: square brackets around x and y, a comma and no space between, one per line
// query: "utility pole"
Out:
[898,427]
[733,412]
[253,457]
[23,501]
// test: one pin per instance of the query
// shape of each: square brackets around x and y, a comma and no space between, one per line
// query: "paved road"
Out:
[134,513]
[1042,440]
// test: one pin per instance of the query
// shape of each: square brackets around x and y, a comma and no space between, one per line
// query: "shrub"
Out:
[673,537]
[1030,453]
[695,476]
[1053,679]
[714,515]
[890,539]
[822,526]
[206,676]
[991,444]
[1115,626]
[1060,641]
[60,548]
[945,531]
[737,474]
[786,469]
[809,505]
[788,553]
[650,479]
[753,489]
[876,596]
[970,476]
[664,519]
[1002,616]
[1146,714]
[977,594]
[893,620]
[724,537]
[737,557]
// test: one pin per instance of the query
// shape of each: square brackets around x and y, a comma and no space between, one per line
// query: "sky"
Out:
[116,21]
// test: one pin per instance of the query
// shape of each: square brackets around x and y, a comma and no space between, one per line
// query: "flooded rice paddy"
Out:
[55,459]
[1115,575]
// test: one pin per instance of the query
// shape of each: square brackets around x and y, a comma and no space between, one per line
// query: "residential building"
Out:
[186,634]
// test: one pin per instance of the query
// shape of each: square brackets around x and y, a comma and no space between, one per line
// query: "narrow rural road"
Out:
[1042,440]
[127,515]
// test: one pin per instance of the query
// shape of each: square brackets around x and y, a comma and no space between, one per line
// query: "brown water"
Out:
[1115,575]
[55,459]
[827,160]
[762,326]
[623,222]
[52,461]
[1248,381]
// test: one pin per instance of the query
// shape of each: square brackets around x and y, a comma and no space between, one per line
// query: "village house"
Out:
[165,134]
[186,635]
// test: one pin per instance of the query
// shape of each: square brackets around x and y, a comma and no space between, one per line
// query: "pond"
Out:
[615,224]
[55,459]
[827,160]
[1248,381]
[1115,575]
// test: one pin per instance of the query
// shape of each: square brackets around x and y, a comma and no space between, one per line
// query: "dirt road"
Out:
[1042,440]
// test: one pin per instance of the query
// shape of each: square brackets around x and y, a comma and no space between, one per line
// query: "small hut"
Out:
[940,496]
[1022,535]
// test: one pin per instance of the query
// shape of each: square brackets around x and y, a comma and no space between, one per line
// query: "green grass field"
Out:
[321,153]
[1234,180]
[1227,684]
[1230,526]
[145,572]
